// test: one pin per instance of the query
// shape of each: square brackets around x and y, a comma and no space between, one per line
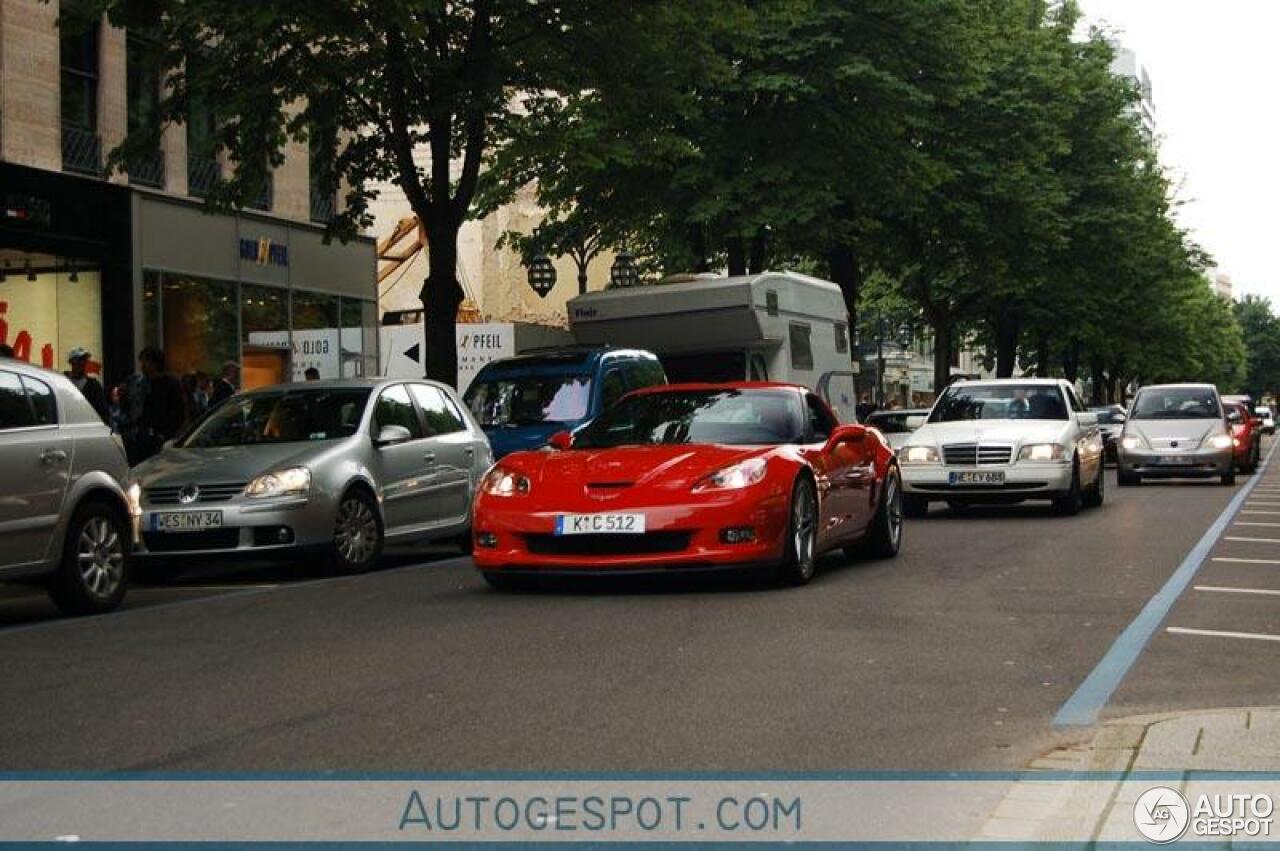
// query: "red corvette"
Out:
[692,476]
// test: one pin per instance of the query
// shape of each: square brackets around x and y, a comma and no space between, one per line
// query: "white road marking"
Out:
[1214,633]
[1253,540]
[1248,560]
[1249,511]
[1259,502]
[1256,523]
[1222,590]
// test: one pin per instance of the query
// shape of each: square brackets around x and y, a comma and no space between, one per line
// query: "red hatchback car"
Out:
[1246,431]
[687,477]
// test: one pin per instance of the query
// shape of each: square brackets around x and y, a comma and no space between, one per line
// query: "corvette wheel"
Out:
[800,557]
[885,538]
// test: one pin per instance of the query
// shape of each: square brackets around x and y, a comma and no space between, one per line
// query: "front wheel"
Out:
[1096,494]
[1070,503]
[885,536]
[357,534]
[799,559]
[93,575]
[1229,477]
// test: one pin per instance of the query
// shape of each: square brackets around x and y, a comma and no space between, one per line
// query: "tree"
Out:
[378,78]
[1261,337]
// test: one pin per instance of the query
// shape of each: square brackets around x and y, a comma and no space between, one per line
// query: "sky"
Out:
[1214,67]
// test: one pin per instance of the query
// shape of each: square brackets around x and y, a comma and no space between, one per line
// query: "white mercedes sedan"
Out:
[1005,441]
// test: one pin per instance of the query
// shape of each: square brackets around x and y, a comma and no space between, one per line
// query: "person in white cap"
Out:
[89,386]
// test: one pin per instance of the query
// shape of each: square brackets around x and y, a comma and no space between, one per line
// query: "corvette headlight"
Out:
[1220,441]
[919,455]
[1132,441]
[735,476]
[502,482]
[133,493]
[294,481]
[1042,452]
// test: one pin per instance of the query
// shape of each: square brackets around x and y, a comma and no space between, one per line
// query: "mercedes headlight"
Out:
[1221,441]
[502,482]
[919,455]
[294,481]
[1132,441]
[1042,452]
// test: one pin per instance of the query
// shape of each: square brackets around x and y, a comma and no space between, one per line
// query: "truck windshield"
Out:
[289,417]
[1177,403]
[733,417]
[529,399]
[1000,402]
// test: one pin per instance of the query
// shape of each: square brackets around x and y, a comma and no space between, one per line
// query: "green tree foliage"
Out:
[1261,338]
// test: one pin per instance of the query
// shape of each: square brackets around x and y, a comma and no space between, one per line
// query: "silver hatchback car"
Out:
[330,467]
[64,519]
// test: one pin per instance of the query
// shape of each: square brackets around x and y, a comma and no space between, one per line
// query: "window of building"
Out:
[78,46]
[320,154]
[801,350]
[142,72]
[264,329]
[316,336]
[200,324]
[203,169]
[53,305]
[150,308]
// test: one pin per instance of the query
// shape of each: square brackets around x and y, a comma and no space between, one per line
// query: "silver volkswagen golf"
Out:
[335,468]
[64,521]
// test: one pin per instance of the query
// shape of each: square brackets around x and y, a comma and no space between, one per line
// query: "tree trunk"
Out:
[1098,394]
[759,251]
[582,278]
[846,273]
[441,295]
[698,247]
[1042,357]
[942,337]
[1071,361]
[1007,329]
[737,255]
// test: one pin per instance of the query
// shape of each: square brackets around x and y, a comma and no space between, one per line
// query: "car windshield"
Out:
[894,423]
[1177,403]
[734,417]
[291,416]
[1000,402]
[530,399]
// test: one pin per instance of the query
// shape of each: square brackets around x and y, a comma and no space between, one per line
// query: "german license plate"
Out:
[600,524]
[982,478]
[1169,459]
[186,521]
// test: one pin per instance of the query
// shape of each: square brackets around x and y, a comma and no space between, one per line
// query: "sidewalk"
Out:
[1213,740]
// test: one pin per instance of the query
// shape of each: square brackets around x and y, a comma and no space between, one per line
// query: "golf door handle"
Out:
[53,456]
[468,451]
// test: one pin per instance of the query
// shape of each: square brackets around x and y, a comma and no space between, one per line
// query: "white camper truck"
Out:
[774,326]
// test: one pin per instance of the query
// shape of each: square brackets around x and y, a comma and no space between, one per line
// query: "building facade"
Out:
[1126,64]
[115,262]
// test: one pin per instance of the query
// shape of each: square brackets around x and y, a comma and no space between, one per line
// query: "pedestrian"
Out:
[227,384]
[194,403]
[864,408]
[311,374]
[89,387]
[162,409]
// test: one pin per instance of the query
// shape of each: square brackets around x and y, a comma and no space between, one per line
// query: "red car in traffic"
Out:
[687,477]
[1246,431]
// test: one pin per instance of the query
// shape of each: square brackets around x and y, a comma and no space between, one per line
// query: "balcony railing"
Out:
[148,171]
[322,208]
[203,173]
[81,151]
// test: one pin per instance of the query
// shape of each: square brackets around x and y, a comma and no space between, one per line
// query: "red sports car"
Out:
[692,476]
[1246,432]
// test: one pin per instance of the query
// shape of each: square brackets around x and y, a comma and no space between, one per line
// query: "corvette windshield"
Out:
[1000,402]
[1177,403]
[734,417]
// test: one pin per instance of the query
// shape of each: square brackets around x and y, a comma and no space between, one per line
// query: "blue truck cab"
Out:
[521,401]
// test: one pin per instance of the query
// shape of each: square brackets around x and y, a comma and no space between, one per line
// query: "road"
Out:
[955,656]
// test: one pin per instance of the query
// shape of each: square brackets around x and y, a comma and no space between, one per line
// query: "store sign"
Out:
[264,252]
[480,343]
[324,349]
[25,209]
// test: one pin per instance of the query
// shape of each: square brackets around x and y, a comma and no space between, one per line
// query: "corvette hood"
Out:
[665,467]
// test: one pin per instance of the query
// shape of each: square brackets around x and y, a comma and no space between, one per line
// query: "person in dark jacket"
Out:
[90,387]
[226,385]
[162,410]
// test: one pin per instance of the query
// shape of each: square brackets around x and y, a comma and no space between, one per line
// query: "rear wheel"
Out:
[1093,499]
[1069,503]
[885,536]
[799,558]
[93,576]
[357,534]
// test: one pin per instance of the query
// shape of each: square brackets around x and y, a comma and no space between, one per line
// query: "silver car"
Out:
[1176,430]
[64,520]
[335,468]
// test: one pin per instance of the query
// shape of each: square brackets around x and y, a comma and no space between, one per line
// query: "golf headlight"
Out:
[502,482]
[919,455]
[295,481]
[1132,441]
[736,476]
[1220,441]
[1042,452]
[133,493]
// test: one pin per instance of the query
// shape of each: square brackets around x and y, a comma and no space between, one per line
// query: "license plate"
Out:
[600,524]
[186,521]
[1169,459]
[983,478]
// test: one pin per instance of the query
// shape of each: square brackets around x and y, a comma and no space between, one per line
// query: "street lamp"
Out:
[542,275]
[625,271]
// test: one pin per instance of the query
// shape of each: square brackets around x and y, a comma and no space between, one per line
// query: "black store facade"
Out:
[113,268]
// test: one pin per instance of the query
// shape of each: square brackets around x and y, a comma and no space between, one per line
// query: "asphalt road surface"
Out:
[955,656]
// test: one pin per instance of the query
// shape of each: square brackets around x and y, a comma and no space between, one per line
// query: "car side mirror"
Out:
[916,421]
[393,434]
[561,440]
[1087,418]
[846,434]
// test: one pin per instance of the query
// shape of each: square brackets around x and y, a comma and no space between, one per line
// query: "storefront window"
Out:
[150,309]
[48,306]
[358,352]
[370,326]
[200,319]
[316,342]
[265,323]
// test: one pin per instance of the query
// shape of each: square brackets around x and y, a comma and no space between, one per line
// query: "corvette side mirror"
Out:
[561,440]
[846,434]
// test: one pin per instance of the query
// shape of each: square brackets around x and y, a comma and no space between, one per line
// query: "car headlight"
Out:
[1042,452]
[293,481]
[919,455]
[735,476]
[133,494]
[1221,441]
[1132,441]
[503,482]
